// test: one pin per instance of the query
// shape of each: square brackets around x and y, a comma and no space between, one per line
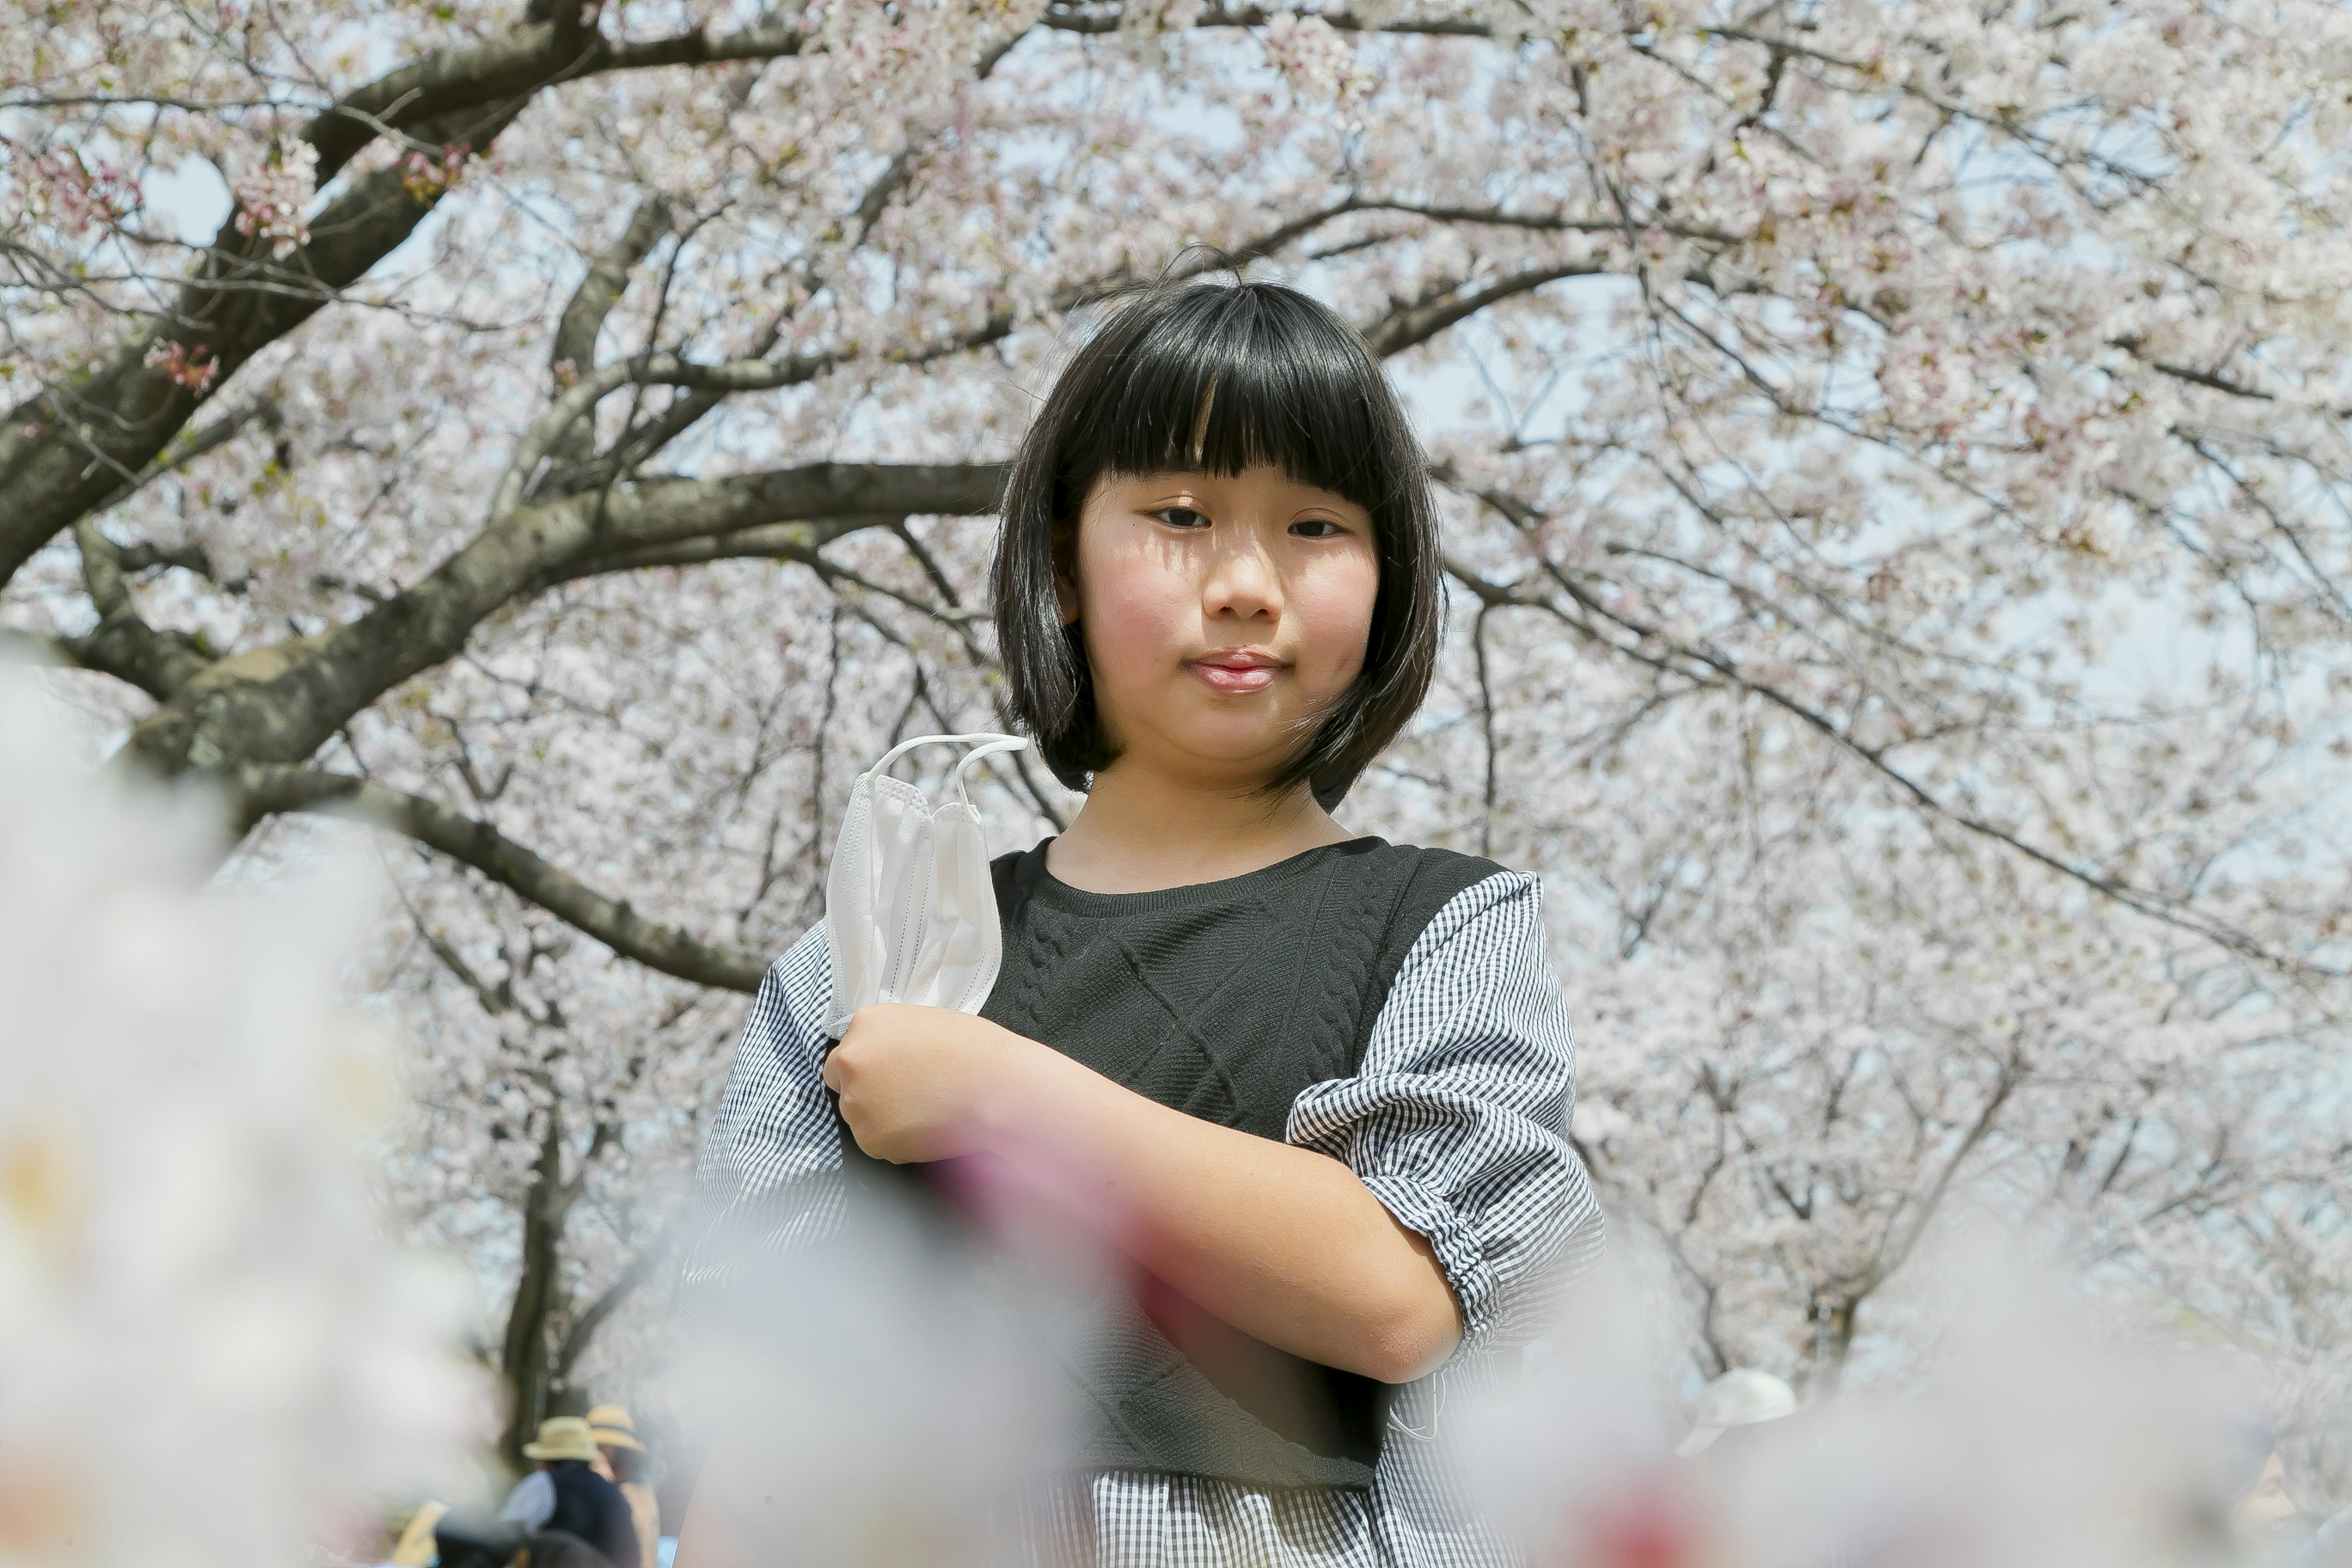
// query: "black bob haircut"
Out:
[1285,383]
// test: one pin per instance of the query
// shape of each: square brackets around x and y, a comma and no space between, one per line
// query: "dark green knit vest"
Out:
[1224,1001]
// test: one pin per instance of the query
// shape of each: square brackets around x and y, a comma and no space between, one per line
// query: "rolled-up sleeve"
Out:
[1457,1118]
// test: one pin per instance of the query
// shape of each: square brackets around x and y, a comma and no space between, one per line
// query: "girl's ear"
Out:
[1065,571]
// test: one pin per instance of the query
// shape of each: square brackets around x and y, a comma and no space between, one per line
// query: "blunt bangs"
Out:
[1218,378]
[1282,382]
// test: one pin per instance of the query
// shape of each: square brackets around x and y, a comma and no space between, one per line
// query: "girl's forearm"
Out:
[1282,1242]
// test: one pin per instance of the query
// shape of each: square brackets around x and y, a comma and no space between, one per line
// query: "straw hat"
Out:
[562,1437]
[1740,1397]
[611,1426]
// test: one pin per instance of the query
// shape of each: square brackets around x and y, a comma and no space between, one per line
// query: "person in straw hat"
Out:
[628,1462]
[569,1496]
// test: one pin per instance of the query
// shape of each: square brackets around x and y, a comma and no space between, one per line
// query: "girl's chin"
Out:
[1190,726]
[1256,746]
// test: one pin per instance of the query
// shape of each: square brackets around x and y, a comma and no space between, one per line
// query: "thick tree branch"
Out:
[264,789]
[70,446]
[573,353]
[645,370]
[525,60]
[122,644]
[280,704]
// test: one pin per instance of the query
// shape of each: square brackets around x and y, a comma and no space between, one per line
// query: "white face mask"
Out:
[909,911]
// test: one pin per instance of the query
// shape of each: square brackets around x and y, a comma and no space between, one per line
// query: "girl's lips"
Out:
[1235,678]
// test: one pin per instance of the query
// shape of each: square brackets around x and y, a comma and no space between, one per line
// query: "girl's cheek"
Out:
[1137,612]
[1336,619]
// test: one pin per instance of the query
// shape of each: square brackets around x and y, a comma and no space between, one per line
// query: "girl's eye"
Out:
[1316,528]
[1181,517]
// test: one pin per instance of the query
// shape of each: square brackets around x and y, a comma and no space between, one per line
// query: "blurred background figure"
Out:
[630,1467]
[555,1549]
[567,1495]
[471,1538]
[1740,1397]
[2268,1527]
[414,1548]
[468,1538]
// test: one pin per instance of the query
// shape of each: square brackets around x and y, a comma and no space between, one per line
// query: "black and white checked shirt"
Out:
[1457,1120]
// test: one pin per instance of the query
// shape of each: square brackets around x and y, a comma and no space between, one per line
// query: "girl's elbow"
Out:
[1412,1341]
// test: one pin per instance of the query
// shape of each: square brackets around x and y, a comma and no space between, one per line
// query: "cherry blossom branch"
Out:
[1712,666]
[674,370]
[278,704]
[1544,223]
[266,789]
[631,1279]
[1893,1252]
[574,348]
[122,644]
[532,56]
[195,442]
[1447,305]
[776,541]
[68,447]
[1098,19]
[640,443]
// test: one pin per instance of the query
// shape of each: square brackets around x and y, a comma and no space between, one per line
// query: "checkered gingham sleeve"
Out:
[1457,1120]
[755,1191]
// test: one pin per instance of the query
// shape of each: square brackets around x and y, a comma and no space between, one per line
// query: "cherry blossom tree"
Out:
[1897,463]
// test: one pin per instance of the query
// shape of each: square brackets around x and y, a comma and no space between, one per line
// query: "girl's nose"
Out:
[1241,582]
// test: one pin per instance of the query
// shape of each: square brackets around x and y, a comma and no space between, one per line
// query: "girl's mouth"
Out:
[1236,673]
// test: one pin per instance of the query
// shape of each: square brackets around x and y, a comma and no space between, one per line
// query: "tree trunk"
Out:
[538,1291]
[1833,1319]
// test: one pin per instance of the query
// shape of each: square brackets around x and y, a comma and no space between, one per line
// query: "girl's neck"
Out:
[1141,831]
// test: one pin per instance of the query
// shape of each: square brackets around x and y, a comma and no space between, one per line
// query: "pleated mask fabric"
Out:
[909,910]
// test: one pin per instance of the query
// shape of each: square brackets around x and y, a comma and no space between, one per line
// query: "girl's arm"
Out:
[1284,1242]
[1448,1146]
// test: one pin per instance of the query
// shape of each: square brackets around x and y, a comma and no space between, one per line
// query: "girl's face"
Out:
[1221,614]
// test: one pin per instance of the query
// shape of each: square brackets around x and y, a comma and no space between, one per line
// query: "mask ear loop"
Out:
[903,747]
[995,744]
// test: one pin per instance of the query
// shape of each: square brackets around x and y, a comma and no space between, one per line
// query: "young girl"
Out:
[1327,1078]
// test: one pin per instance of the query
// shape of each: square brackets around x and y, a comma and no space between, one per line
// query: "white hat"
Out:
[1740,1397]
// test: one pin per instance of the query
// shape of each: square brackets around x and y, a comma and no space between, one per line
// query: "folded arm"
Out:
[1284,1242]
[1411,1206]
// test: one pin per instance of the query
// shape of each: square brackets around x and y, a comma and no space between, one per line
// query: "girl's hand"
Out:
[917,1083]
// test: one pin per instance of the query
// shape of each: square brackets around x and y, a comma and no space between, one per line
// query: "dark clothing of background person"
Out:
[592,1507]
[554,1549]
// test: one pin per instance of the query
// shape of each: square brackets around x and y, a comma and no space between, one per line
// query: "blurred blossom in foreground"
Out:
[2029,1438]
[886,1398]
[209,1351]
